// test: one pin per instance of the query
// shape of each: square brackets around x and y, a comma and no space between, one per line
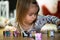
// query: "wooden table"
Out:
[44,37]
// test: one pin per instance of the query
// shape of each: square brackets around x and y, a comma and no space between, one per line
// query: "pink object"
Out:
[15,34]
[38,36]
[11,33]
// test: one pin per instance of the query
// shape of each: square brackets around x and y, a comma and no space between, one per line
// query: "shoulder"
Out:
[41,20]
[40,16]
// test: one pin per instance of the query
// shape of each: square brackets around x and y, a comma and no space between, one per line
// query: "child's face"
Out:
[31,14]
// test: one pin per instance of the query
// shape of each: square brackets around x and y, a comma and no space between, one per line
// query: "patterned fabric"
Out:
[41,20]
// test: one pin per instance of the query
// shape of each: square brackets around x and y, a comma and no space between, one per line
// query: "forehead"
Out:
[33,8]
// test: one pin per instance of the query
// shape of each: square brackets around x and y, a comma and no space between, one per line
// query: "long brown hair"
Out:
[22,7]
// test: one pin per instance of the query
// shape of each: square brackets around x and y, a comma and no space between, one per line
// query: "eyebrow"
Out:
[33,13]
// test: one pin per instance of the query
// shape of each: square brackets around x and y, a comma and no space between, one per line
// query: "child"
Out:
[27,19]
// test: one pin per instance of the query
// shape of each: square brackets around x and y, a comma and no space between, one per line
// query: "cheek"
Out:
[27,18]
[30,19]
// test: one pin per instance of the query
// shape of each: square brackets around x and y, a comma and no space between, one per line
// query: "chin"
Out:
[30,22]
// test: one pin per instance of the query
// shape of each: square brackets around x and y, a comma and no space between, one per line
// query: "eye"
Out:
[35,14]
[31,14]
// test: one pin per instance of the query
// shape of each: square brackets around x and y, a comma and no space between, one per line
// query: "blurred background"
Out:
[51,7]
[7,8]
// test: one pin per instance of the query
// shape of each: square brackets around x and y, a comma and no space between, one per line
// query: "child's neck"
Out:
[27,26]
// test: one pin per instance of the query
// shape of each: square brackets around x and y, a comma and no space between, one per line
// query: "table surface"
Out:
[44,37]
